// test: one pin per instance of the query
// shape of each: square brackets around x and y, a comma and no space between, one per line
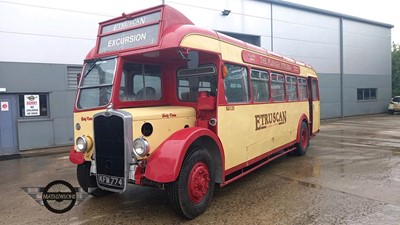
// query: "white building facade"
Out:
[43,44]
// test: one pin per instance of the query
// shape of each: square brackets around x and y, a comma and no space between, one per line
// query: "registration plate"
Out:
[110,180]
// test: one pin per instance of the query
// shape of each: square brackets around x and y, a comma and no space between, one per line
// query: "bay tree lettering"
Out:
[266,61]
[269,119]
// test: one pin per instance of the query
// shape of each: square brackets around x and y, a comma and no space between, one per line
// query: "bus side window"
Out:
[192,81]
[314,86]
[236,84]
[303,90]
[260,87]
[291,88]
[277,87]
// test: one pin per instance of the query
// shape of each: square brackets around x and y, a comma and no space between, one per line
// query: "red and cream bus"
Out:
[164,103]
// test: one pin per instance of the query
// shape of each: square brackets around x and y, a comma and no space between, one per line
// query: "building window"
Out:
[33,105]
[73,73]
[236,85]
[366,94]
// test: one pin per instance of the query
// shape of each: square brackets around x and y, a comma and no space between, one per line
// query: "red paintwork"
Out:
[169,17]
[165,163]
[138,175]
[198,182]
[302,117]
[76,157]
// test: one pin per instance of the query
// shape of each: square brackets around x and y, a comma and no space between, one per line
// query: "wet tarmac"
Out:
[350,175]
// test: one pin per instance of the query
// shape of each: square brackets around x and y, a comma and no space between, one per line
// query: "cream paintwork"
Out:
[236,128]
[163,126]
[238,134]
[229,52]
[316,116]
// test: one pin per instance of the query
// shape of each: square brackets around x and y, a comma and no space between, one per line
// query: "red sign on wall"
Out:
[257,59]
[4,106]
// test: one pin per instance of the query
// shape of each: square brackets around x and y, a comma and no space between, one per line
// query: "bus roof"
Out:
[163,27]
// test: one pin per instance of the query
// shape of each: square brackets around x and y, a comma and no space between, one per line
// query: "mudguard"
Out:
[302,117]
[164,165]
[76,157]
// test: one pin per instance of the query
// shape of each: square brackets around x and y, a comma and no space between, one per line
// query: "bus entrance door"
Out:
[314,105]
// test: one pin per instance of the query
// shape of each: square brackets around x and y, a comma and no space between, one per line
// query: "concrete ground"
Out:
[350,175]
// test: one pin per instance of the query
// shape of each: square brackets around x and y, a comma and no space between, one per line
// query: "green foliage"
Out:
[396,69]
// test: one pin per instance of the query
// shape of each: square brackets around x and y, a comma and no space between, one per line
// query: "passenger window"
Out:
[236,84]
[193,81]
[303,90]
[291,88]
[260,86]
[277,87]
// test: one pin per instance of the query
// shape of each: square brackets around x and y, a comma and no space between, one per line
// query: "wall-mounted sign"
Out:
[32,105]
[4,106]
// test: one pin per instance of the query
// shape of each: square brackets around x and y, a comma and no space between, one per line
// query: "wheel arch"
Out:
[303,119]
[212,147]
[164,164]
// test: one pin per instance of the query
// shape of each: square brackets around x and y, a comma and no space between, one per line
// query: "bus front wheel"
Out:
[191,193]
[88,183]
[304,140]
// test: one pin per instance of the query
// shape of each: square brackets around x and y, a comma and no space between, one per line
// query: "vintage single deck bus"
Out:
[164,103]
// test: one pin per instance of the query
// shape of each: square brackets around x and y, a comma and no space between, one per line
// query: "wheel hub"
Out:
[304,138]
[198,182]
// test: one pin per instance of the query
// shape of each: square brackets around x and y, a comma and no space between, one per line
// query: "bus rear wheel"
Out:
[192,192]
[88,183]
[304,140]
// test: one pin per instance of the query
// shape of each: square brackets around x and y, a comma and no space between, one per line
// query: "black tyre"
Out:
[304,140]
[86,181]
[391,112]
[192,192]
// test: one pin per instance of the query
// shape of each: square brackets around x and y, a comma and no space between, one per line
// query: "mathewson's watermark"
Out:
[58,196]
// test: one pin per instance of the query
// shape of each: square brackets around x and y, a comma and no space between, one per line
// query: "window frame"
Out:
[127,82]
[246,84]
[293,78]
[268,85]
[299,84]
[367,99]
[193,99]
[284,86]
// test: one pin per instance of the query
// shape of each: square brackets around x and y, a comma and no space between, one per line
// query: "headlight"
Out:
[140,147]
[83,143]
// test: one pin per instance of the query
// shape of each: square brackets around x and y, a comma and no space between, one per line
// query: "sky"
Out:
[385,11]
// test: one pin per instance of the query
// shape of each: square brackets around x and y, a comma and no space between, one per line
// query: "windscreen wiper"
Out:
[91,67]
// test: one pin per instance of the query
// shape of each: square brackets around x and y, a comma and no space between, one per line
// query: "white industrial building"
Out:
[43,44]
